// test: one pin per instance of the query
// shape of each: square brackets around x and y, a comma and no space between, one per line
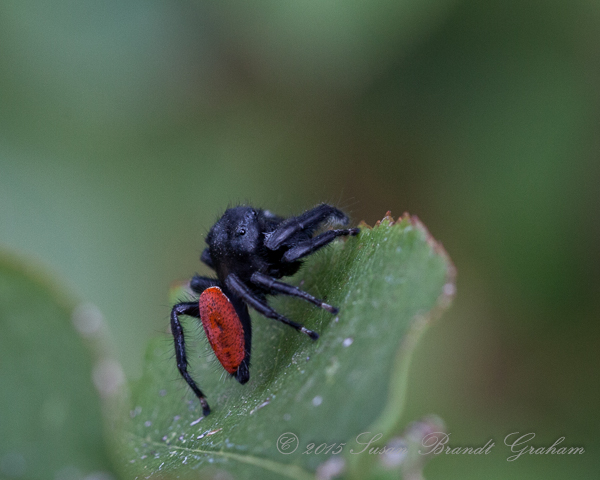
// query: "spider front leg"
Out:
[310,246]
[309,221]
[276,286]
[190,309]
[258,304]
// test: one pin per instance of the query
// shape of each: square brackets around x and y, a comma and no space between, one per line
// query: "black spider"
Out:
[250,249]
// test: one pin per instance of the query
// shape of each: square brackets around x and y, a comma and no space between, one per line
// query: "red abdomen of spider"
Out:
[223,328]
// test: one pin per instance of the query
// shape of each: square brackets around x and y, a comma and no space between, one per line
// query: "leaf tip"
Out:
[449,289]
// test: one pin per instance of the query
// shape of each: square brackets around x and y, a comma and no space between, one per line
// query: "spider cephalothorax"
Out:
[250,249]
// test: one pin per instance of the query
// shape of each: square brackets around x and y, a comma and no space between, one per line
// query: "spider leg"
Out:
[190,309]
[198,284]
[258,304]
[309,246]
[242,374]
[308,221]
[207,259]
[274,285]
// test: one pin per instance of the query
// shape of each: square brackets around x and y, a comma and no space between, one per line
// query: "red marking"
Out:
[223,328]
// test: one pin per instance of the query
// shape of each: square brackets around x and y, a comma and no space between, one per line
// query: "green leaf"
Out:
[50,414]
[389,283]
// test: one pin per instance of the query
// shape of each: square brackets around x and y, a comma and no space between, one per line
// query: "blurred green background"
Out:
[126,128]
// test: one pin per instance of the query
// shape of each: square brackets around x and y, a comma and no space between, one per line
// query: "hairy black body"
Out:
[250,250]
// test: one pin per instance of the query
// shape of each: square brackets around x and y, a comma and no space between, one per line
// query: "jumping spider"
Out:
[250,249]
